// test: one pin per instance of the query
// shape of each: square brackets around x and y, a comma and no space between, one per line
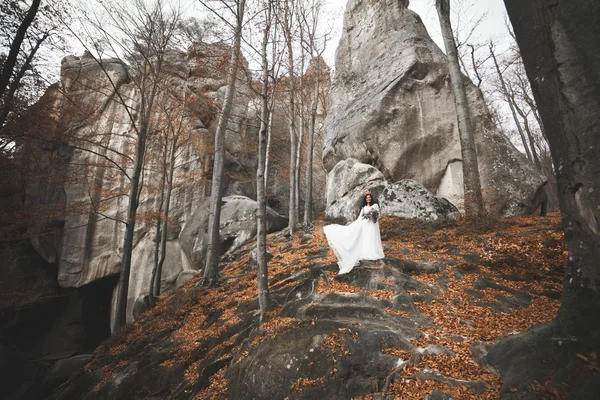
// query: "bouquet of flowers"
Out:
[372,215]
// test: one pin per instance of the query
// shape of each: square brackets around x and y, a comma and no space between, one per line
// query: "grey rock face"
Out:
[64,369]
[407,198]
[238,227]
[392,107]
[410,199]
[185,276]
[87,245]
[345,185]
[88,102]
[143,260]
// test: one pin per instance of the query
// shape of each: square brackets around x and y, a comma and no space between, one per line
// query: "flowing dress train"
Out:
[360,240]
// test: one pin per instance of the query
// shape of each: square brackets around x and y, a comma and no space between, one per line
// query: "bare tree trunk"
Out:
[531,103]
[292,124]
[523,116]
[5,107]
[211,270]
[301,113]
[510,100]
[268,150]
[146,107]
[298,159]
[176,132]
[123,288]
[151,292]
[11,60]
[274,59]
[308,204]
[474,206]
[559,46]
[262,272]
[205,169]
[474,64]
[165,225]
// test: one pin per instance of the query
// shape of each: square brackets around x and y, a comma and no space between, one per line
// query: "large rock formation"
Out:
[406,198]
[90,113]
[345,186]
[92,108]
[392,107]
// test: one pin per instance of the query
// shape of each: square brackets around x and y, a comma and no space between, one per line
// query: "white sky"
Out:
[464,12]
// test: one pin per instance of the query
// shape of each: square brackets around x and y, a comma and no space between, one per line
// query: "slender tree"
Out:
[211,270]
[510,101]
[308,203]
[11,60]
[163,177]
[526,129]
[288,26]
[155,21]
[276,56]
[261,215]
[310,17]
[175,119]
[558,43]
[474,206]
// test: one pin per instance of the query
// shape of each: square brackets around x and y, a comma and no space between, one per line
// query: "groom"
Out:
[363,201]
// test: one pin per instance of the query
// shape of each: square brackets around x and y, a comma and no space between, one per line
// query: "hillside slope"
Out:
[418,322]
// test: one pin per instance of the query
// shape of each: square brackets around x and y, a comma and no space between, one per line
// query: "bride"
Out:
[360,240]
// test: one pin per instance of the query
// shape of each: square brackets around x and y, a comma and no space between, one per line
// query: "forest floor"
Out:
[194,334]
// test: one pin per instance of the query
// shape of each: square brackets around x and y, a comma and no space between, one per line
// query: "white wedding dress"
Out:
[360,240]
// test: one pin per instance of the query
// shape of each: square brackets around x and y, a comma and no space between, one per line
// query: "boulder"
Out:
[63,370]
[406,198]
[410,199]
[392,107]
[345,185]
[252,260]
[339,350]
[185,276]
[141,305]
[142,265]
[237,227]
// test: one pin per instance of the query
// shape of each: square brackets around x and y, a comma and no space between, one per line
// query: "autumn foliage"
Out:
[197,331]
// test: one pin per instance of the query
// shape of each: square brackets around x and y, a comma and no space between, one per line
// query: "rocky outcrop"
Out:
[76,196]
[409,199]
[345,185]
[398,326]
[406,198]
[92,109]
[359,340]
[238,227]
[392,107]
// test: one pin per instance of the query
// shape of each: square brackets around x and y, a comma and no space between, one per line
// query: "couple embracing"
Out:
[361,239]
